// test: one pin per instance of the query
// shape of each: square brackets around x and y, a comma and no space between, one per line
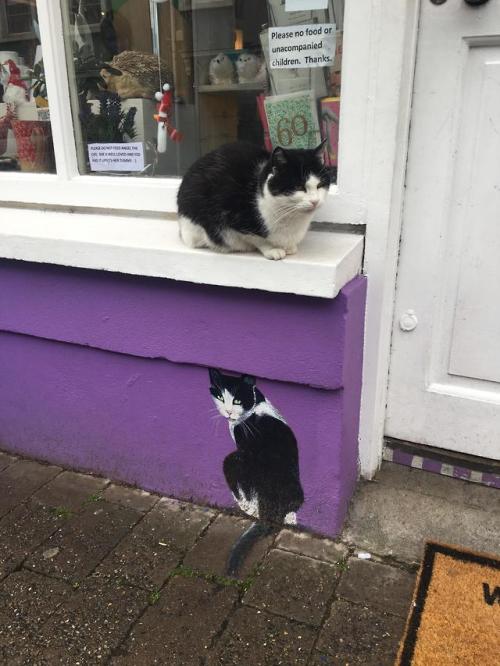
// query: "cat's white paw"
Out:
[274,253]
[291,249]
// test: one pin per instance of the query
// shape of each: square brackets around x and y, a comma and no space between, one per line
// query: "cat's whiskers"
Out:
[285,213]
[253,429]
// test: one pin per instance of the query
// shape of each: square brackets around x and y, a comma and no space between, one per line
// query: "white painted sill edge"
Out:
[147,246]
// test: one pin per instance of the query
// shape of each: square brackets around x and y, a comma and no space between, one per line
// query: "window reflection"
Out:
[156,84]
[25,132]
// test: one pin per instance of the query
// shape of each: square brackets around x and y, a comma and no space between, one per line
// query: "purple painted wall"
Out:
[291,338]
[85,382]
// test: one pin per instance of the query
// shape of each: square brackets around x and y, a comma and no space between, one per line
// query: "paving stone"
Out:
[70,490]
[6,460]
[27,600]
[21,531]
[437,485]
[306,544]
[378,586]
[137,499]
[91,623]
[295,586]
[257,638]
[156,545]
[181,624]
[483,497]
[20,480]
[83,541]
[422,482]
[212,550]
[393,521]
[358,635]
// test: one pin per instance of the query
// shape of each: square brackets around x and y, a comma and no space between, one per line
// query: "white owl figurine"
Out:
[221,70]
[250,68]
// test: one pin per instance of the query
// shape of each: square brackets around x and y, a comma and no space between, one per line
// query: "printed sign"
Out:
[293,120]
[300,5]
[116,156]
[302,46]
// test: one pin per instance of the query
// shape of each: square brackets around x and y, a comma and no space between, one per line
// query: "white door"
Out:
[444,383]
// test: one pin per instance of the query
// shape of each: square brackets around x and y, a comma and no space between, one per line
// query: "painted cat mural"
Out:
[263,472]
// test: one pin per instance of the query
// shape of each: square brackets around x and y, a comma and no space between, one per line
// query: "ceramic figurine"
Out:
[134,74]
[16,90]
[221,70]
[250,68]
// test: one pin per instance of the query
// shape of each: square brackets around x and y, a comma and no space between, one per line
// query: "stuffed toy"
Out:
[250,68]
[221,70]
[134,74]
[16,90]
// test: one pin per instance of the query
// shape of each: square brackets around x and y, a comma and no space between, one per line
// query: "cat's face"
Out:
[299,177]
[233,396]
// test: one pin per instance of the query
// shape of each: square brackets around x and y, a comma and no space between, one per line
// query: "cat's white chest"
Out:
[286,227]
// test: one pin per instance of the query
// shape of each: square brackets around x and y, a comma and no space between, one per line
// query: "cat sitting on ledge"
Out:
[240,197]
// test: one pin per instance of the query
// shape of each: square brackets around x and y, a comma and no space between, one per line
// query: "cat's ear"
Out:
[248,379]
[215,376]
[279,157]
[319,150]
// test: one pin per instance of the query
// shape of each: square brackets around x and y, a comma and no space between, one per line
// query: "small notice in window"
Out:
[116,156]
[300,5]
[302,46]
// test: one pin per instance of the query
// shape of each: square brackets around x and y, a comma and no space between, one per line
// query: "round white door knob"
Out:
[408,320]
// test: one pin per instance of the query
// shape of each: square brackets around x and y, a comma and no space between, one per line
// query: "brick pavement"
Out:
[96,573]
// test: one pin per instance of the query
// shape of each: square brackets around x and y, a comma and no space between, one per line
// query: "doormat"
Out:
[467,468]
[455,615]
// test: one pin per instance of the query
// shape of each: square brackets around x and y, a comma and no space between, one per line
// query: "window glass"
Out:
[25,134]
[157,83]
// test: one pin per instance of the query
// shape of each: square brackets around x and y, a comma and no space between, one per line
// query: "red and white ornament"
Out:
[163,117]
[16,90]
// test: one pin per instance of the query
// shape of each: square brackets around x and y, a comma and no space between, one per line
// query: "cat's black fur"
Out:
[219,191]
[265,463]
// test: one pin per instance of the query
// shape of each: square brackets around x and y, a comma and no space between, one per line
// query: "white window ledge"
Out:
[148,246]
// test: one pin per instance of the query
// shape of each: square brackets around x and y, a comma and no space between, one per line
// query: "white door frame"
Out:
[373,159]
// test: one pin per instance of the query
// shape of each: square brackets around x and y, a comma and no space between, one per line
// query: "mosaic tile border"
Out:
[431,460]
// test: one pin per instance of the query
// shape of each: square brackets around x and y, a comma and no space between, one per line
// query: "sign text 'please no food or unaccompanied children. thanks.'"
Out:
[302,46]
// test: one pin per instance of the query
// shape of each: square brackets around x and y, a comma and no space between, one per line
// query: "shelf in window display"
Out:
[231,87]
[206,4]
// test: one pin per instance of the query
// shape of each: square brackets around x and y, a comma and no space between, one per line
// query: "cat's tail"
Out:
[243,545]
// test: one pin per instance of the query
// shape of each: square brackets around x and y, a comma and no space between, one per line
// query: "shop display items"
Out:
[221,70]
[251,68]
[135,74]
[164,119]
[15,89]
[109,123]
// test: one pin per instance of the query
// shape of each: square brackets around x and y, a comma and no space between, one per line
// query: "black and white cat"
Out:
[239,197]
[263,472]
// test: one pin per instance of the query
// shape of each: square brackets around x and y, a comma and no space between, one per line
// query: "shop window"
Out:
[265,71]
[25,132]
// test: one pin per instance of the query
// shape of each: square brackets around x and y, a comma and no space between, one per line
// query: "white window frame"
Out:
[379,49]
[69,188]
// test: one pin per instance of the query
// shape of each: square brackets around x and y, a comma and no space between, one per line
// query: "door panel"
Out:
[444,384]
[476,324]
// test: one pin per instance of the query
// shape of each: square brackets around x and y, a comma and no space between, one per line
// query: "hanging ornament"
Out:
[164,119]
